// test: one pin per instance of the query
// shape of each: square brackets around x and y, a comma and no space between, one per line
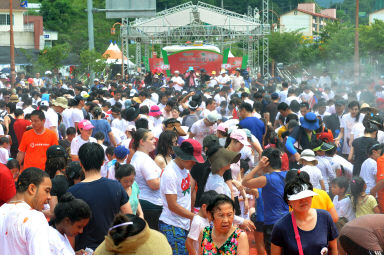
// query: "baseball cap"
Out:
[121,152]
[240,136]
[85,124]
[189,149]
[301,193]
[213,72]
[84,94]
[44,103]
[211,140]
[212,117]
[222,127]
[324,147]
[56,151]
[275,95]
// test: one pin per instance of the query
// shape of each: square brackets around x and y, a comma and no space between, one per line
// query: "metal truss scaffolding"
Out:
[202,22]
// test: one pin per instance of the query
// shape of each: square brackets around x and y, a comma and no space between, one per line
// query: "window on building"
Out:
[5,19]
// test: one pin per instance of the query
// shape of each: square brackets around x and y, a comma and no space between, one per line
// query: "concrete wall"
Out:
[301,21]
[24,40]
[18,23]
[379,15]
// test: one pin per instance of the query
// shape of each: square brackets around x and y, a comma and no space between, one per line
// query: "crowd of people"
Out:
[192,164]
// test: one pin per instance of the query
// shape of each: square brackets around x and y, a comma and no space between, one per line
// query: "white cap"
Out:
[304,193]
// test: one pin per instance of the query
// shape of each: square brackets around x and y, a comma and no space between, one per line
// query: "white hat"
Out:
[44,103]
[308,155]
[223,72]
[176,71]
[48,72]
[303,193]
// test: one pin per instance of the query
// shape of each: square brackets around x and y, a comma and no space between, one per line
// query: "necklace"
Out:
[16,201]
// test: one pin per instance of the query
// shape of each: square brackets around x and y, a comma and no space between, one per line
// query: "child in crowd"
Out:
[66,142]
[4,149]
[100,137]
[309,162]
[126,174]
[199,222]
[120,155]
[363,203]
[343,204]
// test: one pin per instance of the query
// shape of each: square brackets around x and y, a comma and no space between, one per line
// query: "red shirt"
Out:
[7,185]
[20,126]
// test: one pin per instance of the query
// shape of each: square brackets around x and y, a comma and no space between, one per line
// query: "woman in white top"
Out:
[348,121]
[147,176]
[71,216]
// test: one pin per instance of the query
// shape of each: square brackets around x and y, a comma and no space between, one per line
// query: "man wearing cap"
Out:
[86,128]
[213,80]
[204,127]
[237,80]
[175,191]
[223,79]
[303,134]
[177,81]
[35,142]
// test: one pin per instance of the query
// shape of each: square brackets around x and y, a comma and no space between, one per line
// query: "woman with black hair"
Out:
[360,146]
[305,230]
[55,167]
[130,234]
[167,139]
[223,237]
[271,179]
[347,122]
[74,173]
[71,216]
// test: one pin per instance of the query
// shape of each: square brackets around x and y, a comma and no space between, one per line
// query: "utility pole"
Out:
[357,58]
[91,42]
[12,45]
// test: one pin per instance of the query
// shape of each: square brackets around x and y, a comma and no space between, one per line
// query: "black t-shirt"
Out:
[60,186]
[361,146]
[200,173]
[272,109]
[104,197]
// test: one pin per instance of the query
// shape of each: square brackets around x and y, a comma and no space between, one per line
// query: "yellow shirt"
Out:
[281,131]
[322,201]
[365,206]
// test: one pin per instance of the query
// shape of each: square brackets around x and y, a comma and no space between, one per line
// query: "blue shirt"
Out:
[254,125]
[101,126]
[312,241]
[273,198]
[260,206]
[104,197]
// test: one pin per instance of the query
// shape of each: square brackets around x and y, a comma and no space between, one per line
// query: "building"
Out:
[379,15]
[306,20]
[27,30]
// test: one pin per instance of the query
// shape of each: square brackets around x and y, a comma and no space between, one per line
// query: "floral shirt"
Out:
[229,247]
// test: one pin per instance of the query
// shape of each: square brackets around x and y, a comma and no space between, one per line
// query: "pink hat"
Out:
[222,127]
[240,136]
[85,124]
[155,111]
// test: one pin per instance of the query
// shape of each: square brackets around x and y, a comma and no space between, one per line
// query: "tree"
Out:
[91,60]
[52,58]
[372,39]
[283,47]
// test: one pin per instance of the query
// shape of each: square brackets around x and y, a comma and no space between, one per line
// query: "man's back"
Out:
[255,125]
[105,197]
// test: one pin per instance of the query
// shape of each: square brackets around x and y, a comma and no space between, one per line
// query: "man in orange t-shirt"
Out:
[35,142]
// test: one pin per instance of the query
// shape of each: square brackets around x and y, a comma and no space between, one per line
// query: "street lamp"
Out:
[113,32]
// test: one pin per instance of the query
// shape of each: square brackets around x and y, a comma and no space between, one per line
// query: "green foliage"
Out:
[372,39]
[91,60]
[283,46]
[52,58]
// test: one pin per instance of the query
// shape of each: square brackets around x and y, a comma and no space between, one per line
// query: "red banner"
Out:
[156,63]
[181,61]
[234,63]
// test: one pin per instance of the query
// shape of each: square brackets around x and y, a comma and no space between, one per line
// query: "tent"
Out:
[113,55]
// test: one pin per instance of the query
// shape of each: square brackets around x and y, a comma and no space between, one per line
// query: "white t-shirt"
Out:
[59,244]
[77,116]
[119,135]
[314,175]
[175,181]
[67,117]
[216,182]
[4,155]
[344,207]
[51,119]
[113,102]
[178,80]
[197,225]
[120,124]
[146,170]
[326,171]
[347,122]
[200,130]
[23,230]
[222,79]
[368,173]
[77,142]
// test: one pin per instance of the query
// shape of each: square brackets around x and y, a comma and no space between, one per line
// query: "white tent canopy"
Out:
[113,55]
